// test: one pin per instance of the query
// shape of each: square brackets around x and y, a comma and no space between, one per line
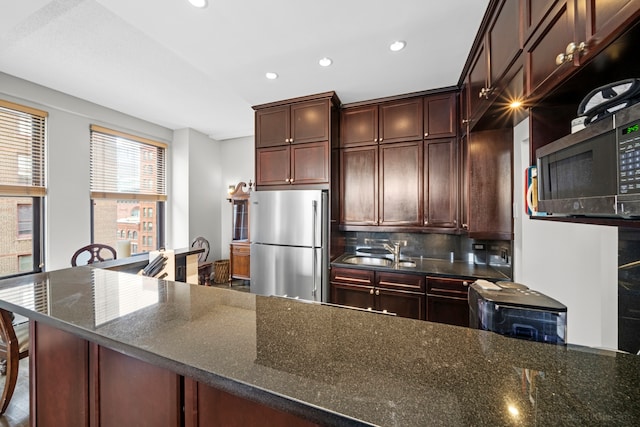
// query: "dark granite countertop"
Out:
[434,267]
[334,365]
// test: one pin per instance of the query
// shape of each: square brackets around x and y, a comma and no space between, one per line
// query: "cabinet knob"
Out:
[465,121]
[380,139]
[465,226]
[375,139]
[485,92]
[426,223]
[290,180]
[286,140]
[377,292]
[371,292]
[465,283]
[286,180]
[426,134]
[290,139]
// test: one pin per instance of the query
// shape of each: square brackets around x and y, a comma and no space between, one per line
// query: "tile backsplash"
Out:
[440,246]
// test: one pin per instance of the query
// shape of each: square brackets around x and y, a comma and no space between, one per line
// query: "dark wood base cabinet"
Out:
[400,294]
[447,301]
[74,382]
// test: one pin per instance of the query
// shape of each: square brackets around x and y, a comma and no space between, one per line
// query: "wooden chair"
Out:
[14,345]
[96,251]
[204,267]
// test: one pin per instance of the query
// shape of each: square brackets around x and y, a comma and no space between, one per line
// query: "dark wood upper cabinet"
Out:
[562,36]
[359,185]
[273,165]
[401,184]
[490,201]
[359,126]
[504,38]
[273,126]
[441,183]
[440,113]
[309,163]
[552,37]
[310,121]
[478,84]
[293,140]
[401,120]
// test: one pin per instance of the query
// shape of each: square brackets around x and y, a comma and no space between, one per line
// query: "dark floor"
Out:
[17,414]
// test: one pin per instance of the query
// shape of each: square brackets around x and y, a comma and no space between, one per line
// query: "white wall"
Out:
[573,263]
[237,156]
[195,182]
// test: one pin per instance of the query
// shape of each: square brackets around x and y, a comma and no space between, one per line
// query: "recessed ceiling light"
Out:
[325,62]
[198,3]
[397,45]
[271,76]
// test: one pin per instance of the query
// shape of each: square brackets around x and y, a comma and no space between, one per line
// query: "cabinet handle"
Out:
[485,92]
[465,121]
[377,292]
[371,292]
[571,50]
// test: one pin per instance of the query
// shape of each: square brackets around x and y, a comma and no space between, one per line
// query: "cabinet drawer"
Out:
[404,282]
[241,250]
[352,276]
[457,288]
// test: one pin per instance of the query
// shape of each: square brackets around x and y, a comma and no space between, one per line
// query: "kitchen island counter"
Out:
[330,365]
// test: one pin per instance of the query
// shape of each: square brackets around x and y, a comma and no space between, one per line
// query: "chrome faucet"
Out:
[395,250]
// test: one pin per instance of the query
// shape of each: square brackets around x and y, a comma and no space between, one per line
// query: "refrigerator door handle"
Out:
[314,205]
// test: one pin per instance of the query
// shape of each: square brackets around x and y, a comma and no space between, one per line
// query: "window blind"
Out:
[126,166]
[22,150]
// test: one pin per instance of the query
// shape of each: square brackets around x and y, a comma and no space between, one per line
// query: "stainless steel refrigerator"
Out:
[289,243]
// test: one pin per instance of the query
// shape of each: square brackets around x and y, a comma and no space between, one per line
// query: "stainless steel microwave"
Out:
[595,171]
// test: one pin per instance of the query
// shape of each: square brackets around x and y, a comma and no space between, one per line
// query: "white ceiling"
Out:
[172,64]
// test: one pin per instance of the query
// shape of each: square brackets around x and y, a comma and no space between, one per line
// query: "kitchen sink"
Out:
[368,260]
[375,261]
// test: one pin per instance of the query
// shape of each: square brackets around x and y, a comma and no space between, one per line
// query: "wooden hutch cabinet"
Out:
[239,251]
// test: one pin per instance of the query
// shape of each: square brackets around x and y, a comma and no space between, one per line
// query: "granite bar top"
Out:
[334,365]
[434,267]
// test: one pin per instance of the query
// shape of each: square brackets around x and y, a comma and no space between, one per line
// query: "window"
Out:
[25,220]
[22,187]
[127,178]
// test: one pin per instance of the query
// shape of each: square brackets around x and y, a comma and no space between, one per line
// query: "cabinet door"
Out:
[310,163]
[352,296]
[401,184]
[604,21]
[359,126]
[556,31]
[240,261]
[464,182]
[440,116]
[490,184]
[441,183]
[352,287]
[504,37]
[401,303]
[273,126]
[401,120]
[310,121]
[478,83]
[359,185]
[447,301]
[272,166]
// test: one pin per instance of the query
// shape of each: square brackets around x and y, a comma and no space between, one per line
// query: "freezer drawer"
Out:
[287,270]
